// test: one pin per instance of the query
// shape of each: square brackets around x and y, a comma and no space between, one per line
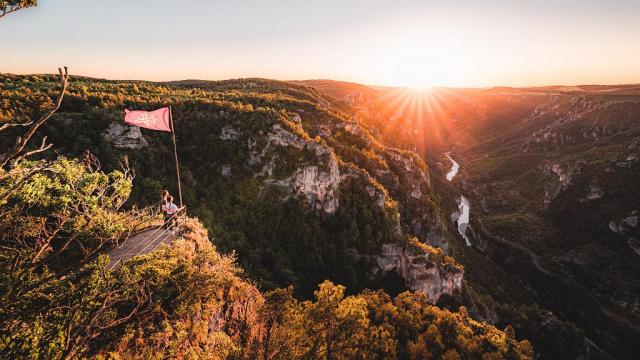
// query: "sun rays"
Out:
[415,116]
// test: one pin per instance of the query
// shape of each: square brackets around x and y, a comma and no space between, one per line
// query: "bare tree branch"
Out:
[16,151]
[43,147]
[9,125]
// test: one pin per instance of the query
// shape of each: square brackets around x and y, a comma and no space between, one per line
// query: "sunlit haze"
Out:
[395,43]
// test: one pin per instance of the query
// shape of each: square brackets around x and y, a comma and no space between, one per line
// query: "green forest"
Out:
[318,219]
[62,206]
[278,241]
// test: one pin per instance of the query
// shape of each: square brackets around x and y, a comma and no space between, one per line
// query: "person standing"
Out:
[172,211]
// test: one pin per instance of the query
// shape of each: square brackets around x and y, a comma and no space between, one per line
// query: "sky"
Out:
[419,43]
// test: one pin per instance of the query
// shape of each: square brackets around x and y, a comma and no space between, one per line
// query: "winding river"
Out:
[454,167]
[464,207]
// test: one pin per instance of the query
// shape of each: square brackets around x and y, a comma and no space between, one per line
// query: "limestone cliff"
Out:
[424,269]
[125,136]
[421,269]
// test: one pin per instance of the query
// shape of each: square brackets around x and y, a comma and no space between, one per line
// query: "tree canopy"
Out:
[9,6]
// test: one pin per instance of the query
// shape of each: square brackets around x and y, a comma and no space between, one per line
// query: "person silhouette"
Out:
[172,211]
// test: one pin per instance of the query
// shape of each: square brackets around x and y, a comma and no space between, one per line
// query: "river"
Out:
[464,207]
[454,167]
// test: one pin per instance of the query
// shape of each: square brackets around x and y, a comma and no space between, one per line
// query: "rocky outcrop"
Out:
[277,136]
[378,194]
[560,176]
[229,133]
[317,183]
[573,119]
[411,184]
[594,192]
[357,130]
[319,187]
[234,307]
[411,170]
[421,270]
[545,140]
[324,131]
[629,161]
[282,137]
[225,170]
[627,224]
[125,136]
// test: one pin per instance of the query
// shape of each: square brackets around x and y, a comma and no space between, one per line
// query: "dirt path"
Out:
[139,244]
[535,258]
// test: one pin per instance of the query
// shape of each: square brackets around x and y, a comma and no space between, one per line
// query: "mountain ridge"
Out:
[252,159]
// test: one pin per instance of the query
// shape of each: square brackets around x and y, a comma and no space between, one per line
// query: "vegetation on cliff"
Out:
[551,175]
[245,146]
[185,300]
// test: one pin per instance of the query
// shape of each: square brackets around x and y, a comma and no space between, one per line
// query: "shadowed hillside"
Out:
[552,174]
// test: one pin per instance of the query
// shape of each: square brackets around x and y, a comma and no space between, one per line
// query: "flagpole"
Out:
[175,153]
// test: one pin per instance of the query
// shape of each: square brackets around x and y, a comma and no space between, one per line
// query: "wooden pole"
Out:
[175,153]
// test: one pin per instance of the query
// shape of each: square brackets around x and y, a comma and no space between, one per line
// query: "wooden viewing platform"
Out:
[139,244]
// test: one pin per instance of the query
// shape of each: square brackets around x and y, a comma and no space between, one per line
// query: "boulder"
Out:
[125,136]
[225,170]
[594,192]
[228,133]
[420,272]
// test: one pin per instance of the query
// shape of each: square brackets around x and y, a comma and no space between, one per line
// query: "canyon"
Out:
[551,174]
[304,184]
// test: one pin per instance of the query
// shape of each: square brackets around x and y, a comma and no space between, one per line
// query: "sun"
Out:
[419,87]
[418,84]
[414,81]
[415,78]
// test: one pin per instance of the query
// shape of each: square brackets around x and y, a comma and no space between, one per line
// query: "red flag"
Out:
[154,120]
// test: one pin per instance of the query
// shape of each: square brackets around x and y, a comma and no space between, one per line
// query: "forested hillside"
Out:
[557,171]
[278,174]
[551,174]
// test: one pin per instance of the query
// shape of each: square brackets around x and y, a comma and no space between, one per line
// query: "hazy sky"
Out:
[386,42]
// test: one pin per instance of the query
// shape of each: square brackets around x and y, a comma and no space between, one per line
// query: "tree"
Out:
[339,328]
[278,304]
[16,153]
[65,211]
[9,6]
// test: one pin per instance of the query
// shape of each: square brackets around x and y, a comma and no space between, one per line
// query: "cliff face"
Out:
[125,137]
[235,306]
[317,184]
[569,120]
[555,173]
[315,179]
[559,176]
[213,313]
[421,271]
[551,174]
[283,155]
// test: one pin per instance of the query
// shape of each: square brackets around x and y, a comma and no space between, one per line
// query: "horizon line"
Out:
[334,80]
